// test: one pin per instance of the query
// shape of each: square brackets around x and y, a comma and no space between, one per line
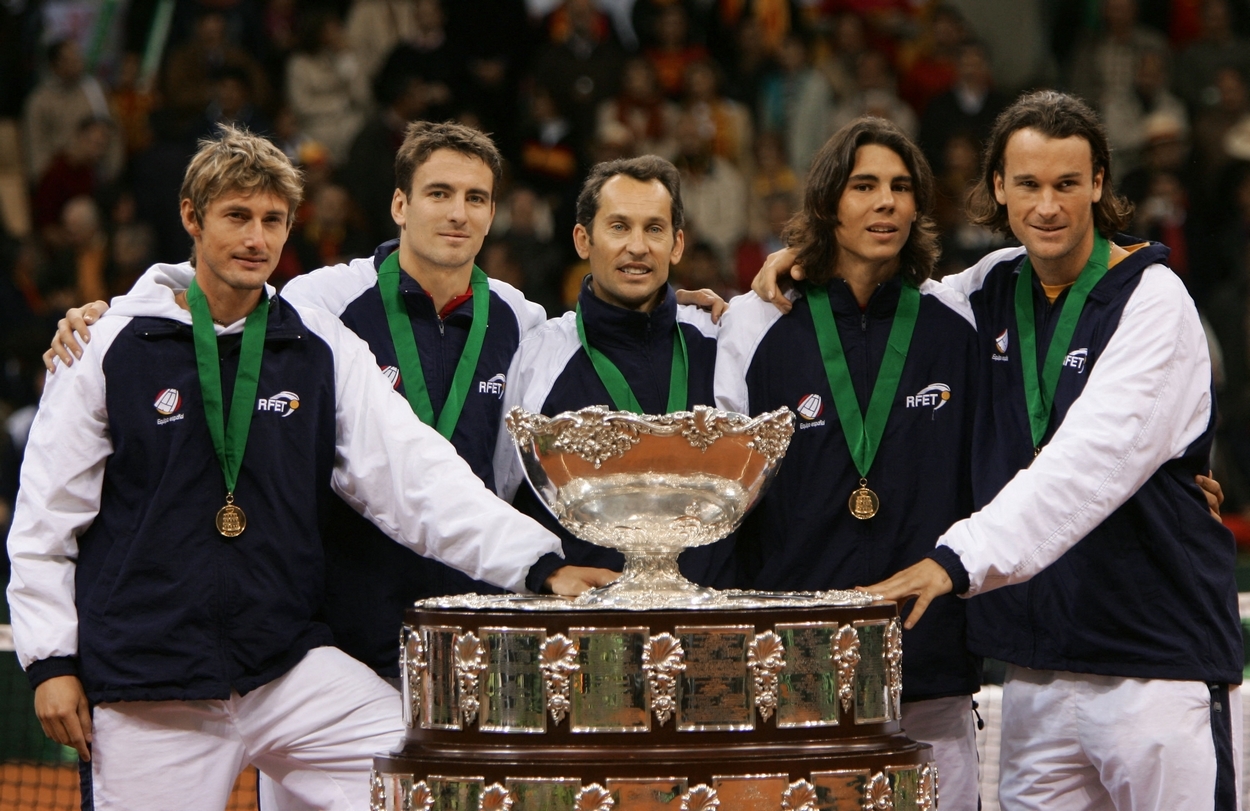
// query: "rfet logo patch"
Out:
[1076,359]
[284,403]
[494,386]
[811,407]
[934,395]
[391,373]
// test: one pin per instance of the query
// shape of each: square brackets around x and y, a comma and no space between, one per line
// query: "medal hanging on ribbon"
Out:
[1040,394]
[229,440]
[409,359]
[622,395]
[863,432]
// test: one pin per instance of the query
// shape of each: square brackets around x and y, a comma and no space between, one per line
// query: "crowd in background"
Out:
[101,105]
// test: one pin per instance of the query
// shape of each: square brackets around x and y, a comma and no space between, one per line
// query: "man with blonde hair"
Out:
[166,545]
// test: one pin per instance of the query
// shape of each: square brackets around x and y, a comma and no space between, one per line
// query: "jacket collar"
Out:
[609,325]
[882,303]
[420,305]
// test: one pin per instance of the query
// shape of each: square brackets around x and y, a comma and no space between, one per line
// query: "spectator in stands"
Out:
[1104,64]
[328,235]
[80,264]
[133,243]
[494,57]
[963,242]
[773,176]
[641,109]
[722,121]
[131,106]
[1125,114]
[431,56]
[326,89]
[797,102]
[1214,124]
[63,99]
[929,64]
[877,95]
[968,108]
[777,209]
[712,188]
[1220,46]
[673,51]
[187,84]
[749,64]
[375,27]
[582,64]
[231,101]
[369,173]
[74,171]
[525,223]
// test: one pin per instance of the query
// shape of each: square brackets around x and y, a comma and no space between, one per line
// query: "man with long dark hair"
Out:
[879,364]
[1104,585]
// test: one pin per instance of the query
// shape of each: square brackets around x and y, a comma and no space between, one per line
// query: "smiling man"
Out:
[1102,581]
[879,364]
[167,561]
[629,345]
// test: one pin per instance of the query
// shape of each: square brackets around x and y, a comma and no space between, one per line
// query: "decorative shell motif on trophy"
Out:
[894,660]
[412,662]
[421,798]
[650,486]
[700,798]
[800,796]
[470,662]
[558,662]
[663,660]
[877,795]
[593,798]
[766,659]
[846,658]
[495,798]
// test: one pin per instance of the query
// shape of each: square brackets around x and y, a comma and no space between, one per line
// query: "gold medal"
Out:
[863,502]
[230,519]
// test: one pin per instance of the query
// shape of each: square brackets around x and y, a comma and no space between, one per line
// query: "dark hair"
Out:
[644,168]
[54,48]
[811,230]
[1054,115]
[424,138]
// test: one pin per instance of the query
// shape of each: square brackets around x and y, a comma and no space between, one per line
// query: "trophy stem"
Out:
[649,575]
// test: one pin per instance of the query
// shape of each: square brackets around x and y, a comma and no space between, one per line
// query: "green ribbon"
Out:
[864,431]
[622,395]
[1040,396]
[400,323]
[229,440]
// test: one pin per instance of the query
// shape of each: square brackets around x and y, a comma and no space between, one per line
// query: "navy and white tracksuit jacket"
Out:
[802,535]
[119,574]
[372,580]
[1127,574]
[552,374]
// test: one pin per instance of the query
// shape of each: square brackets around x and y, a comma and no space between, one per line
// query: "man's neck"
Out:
[225,304]
[442,284]
[865,277]
[1065,270]
[646,306]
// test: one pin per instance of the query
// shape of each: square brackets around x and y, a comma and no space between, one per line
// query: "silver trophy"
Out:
[650,486]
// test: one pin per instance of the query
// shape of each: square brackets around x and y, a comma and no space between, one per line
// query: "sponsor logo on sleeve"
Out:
[1076,359]
[810,408]
[284,403]
[1000,343]
[934,396]
[494,386]
[391,373]
[168,403]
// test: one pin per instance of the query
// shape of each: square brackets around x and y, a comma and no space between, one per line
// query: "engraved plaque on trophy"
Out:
[871,677]
[755,792]
[808,689]
[456,793]
[714,694]
[905,786]
[544,794]
[513,681]
[841,790]
[440,710]
[647,795]
[609,690]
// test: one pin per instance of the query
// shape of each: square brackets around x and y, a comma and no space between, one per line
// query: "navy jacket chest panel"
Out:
[802,536]
[647,369]
[372,579]
[440,351]
[162,596]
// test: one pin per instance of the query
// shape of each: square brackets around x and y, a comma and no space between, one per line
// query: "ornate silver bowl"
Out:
[650,486]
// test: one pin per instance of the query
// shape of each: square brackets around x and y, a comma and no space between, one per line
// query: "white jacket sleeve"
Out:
[405,478]
[61,485]
[743,327]
[1147,399]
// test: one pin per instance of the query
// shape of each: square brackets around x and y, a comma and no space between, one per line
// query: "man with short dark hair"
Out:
[629,345]
[1101,580]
